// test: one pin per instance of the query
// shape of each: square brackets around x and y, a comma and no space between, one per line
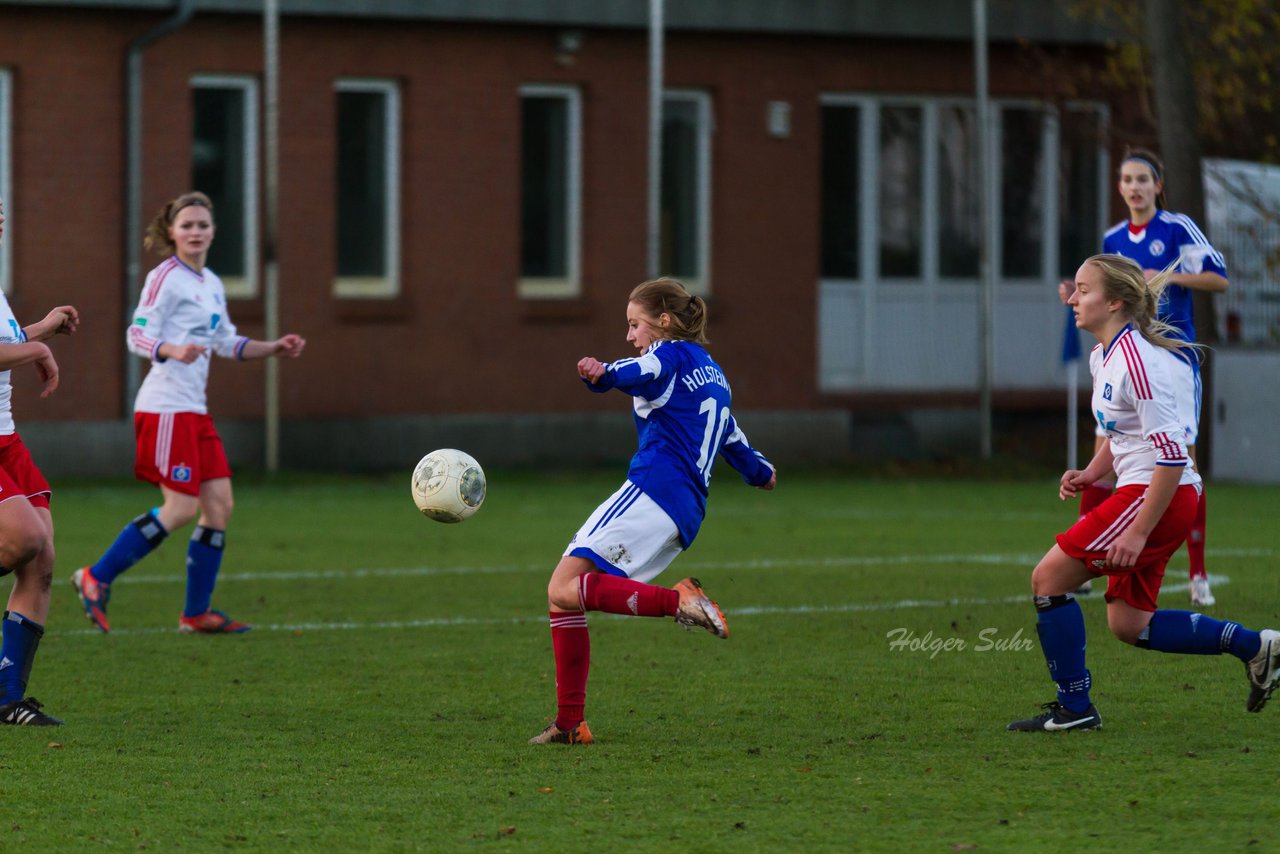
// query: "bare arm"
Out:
[288,345]
[63,320]
[32,353]
[1126,548]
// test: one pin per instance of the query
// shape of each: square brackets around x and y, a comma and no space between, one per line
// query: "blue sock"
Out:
[138,539]
[1195,634]
[204,557]
[1060,624]
[17,650]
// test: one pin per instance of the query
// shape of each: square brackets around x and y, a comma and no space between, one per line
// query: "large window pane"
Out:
[900,191]
[223,166]
[685,159]
[1021,192]
[959,217]
[840,199]
[368,197]
[1079,194]
[550,181]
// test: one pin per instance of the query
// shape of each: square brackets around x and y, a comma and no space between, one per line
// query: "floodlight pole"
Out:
[270,264]
[654,231]
[986,196]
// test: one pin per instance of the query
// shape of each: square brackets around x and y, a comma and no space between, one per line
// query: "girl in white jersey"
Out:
[180,322]
[26,525]
[681,401]
[1130,537]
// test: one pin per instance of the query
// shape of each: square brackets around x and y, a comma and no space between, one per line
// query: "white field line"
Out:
[1027,560]
[746,611]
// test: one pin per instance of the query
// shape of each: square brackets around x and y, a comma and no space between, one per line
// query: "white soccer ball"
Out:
[448,485]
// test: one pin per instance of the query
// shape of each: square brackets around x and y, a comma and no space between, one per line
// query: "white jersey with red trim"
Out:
[10,333]
[180,306]
[1133,401]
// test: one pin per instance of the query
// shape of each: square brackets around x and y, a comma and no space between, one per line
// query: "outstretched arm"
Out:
[290,345]
[63,320]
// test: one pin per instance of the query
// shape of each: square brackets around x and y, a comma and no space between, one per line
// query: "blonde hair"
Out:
[1123,280]
[157,238]
[688,313]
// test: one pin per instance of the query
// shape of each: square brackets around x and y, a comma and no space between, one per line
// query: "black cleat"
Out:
[1058,717]
[26,713]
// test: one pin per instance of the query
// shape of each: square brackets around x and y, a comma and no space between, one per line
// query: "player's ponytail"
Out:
[157,236]
[688,313]
[1123,280]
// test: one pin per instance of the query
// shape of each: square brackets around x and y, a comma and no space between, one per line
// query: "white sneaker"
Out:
[1201,595]
[1085,588]
[1264,671]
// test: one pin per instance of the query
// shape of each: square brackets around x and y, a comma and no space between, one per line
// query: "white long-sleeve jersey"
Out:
[1133,401]
[10,333]
[180,306]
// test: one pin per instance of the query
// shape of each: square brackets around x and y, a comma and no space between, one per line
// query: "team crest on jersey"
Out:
[1157,248]
[1106,391]
[181,474]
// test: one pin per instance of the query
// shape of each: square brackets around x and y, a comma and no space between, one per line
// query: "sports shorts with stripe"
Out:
[628,535]
[180,450]
[1090,538]
[19,475]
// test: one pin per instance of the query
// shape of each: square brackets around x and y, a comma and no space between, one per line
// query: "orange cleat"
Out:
[696,610]
[581,734]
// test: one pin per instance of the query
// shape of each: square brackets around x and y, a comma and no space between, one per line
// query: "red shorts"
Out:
[180,450]
[1089,539]
[19,475]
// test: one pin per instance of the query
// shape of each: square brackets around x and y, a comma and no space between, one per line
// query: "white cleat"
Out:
[1264,671]
[1201,595]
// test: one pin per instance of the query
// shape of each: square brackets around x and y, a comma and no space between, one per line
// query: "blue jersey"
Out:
[1169,237]
[682,410]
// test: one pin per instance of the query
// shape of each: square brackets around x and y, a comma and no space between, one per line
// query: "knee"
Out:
[563,595]
[23,546]
[1125,632]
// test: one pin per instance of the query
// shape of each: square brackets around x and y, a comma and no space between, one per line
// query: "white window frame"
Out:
[6,173]
[700,284]
[553,287]
[388,286]
[243,287]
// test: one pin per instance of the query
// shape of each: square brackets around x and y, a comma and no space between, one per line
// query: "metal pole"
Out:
[986,193]
[1073,414]
[133,181]
[271,267]
[655,137]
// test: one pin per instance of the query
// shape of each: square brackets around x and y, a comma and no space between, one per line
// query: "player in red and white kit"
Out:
[1130,537]
[180,322]
[26,525]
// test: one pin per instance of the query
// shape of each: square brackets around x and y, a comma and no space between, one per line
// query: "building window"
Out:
[550,197]
[1022,192]
[6,175]
[224,165]
[1082,186]
[900,174]
[368,179]
[686,188]
[841,185]
[959,200]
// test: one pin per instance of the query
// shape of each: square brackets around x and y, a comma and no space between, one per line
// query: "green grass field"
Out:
[398,667]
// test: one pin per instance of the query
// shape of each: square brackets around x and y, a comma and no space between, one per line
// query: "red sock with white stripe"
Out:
[614,595]
[572,645]
[1195,542]
[1094,494]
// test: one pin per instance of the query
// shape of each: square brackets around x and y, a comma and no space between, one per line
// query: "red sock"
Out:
[1195,542]
[572,645]
[1094,494]
[614,595]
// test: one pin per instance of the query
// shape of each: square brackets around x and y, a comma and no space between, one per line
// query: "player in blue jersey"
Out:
[682,405]
[1130,537]
[26,524]
[1156,238]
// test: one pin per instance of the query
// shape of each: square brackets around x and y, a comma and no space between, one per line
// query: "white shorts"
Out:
[628,535]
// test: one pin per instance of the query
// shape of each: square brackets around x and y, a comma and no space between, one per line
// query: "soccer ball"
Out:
[448,485]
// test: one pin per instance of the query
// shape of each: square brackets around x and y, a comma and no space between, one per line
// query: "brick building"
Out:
[463,208]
